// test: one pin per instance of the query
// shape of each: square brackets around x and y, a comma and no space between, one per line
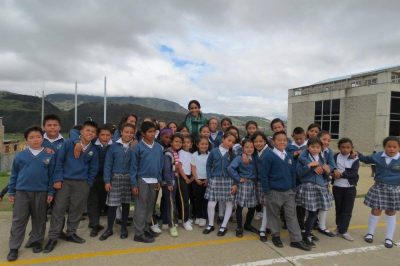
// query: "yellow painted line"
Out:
[148,249]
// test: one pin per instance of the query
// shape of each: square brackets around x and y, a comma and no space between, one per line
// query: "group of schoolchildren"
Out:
[282,181]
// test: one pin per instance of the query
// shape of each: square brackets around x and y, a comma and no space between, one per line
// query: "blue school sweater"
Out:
[83,168]
[217,164]
[258,160]
[117,161]
[275,173]
[237,169]
[55,146]
[328,156]
[387,174]
[101,151]
[218,139]
[168,173]
[307,174]
[32,173]
[146,162]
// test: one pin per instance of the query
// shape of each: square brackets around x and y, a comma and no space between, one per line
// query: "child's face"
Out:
[184,132]
[299,139]
[213,125]
[278,127]
[194,110]
[228,142]
[248,148]
[187,144]
[104,136]
[172,127]
[314,149]
[88,133]
[203,146]
[166,139]
[391,148]
[176,144]
[131,120]
[325,139]
[149,135]
[235,133]
[280,142]
[313,132]
[34,140]
[345,148]
[225,124]
[162,125]
[127,134]
[52,128]
[259,143]
[205,131]
[251,129]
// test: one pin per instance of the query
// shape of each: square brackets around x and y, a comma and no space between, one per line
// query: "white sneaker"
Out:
[203,222]
[188,226]
[258,216]
[347,236]
[165,227]
[197,221]
[155,228]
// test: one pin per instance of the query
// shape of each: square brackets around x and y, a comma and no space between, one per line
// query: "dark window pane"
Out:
[335,117]
[318,108]
[395,117]
[326,117]
[326,107]
[335,127]
[325,125]
[317,118]
[394,128]
[395,105]
[336,106]
[334,136]
[396,93]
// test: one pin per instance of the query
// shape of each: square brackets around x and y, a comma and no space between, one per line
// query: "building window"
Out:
[327,114]
[356,83]
[372,81]
[395,78]
[394,128]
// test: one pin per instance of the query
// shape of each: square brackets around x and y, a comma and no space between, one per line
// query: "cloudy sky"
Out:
[236,57]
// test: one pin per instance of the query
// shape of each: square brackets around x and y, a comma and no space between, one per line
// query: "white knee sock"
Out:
[390,226]
[228,212]
[211,212]
[221,208]
[322,219]
[263,226]
[372,222]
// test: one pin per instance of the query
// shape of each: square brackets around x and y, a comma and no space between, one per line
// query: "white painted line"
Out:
[314,256]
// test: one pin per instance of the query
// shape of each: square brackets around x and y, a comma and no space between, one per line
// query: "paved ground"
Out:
[194,248]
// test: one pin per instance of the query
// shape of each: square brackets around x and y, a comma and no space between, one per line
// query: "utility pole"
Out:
[76,103]
[105,100]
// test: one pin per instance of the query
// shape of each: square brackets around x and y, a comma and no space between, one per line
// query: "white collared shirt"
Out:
[389,159]
[149,145]
[314,157]
[125,144]
[343,162]
[259,153]
[36,152]
[98,143]
[214,135]
[299,146]
[52,140]
[281,154]
[223,150]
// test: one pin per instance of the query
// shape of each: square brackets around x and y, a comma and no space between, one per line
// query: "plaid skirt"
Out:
[246,195]
[260,193]
[120,190]
[383,197]
[219,189]
[313,197]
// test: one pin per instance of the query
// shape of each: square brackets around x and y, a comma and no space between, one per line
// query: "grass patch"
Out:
[14,136]
[4,204]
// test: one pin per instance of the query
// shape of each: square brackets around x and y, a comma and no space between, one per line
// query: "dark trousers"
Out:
[96,201]
[28,204]
[301,216]
[310,221]
[182,199]
[200,203]
[168,206]
[344,203]
[239,216]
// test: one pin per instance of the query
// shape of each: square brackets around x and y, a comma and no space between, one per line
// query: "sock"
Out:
[322,219]
[390,226]
[211,212]
[221,208]
[228,213]
[239,217]
[372,222]
[263,226]
[125,214]
[111,213]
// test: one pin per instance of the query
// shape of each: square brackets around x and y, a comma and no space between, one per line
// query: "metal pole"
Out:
[76,102]
[42,107]
[105,100]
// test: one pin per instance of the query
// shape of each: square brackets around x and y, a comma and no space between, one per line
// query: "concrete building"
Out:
[8,150]
[364,107]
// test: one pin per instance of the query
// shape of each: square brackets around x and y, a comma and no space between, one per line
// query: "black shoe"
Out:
[208,230]
[300,245]
[37,247]
[95,230]
[314,238]
[369,239]
[276,240]
[12,255]
[222,231]
[308,240]
[326,232]
[251,228]
[106,235]
[263,236]
[389,243]
[74,238]
[151,233]
[143,238]
[239,232]
[124,233]
[51,244]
